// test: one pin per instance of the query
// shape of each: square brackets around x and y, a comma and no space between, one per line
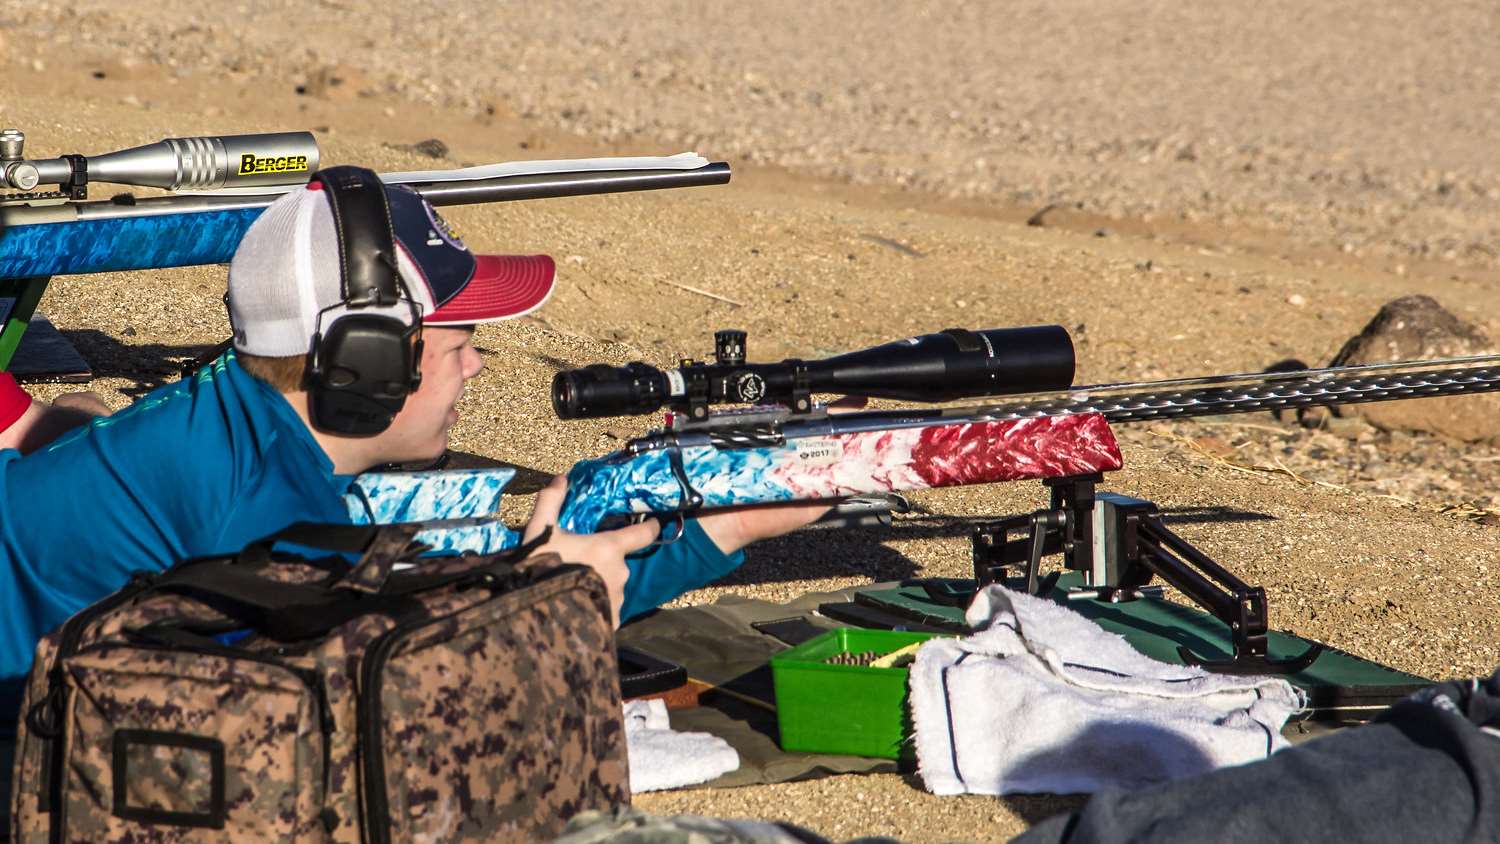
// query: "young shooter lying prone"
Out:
[206,465]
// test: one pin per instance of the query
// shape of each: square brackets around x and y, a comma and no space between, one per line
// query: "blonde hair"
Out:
[284,374]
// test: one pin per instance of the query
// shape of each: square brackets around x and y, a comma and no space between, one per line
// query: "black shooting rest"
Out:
[1120,544]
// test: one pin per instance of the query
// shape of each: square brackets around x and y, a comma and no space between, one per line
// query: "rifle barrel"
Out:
[1288,394]
[1273,391]
[554,185]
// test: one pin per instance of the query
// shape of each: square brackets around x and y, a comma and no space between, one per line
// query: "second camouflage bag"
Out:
[271,698]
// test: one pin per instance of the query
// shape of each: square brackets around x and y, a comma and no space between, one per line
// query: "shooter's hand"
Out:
[604,552]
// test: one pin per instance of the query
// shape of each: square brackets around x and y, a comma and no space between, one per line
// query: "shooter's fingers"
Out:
[632,538]
[547,509]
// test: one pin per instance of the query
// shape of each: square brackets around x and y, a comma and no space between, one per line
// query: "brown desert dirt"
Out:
[1222,191]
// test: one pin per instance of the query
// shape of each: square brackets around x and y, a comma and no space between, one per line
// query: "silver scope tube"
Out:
[204,163]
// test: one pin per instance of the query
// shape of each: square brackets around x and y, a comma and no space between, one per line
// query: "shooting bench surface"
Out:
[40,352]
[18,300]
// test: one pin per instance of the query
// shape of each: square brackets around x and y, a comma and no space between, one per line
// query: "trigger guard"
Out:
[681,528]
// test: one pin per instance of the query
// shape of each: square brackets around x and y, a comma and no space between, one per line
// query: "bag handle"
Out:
[295,611]
[286,612]
[390,545]
[236,587]
[349,539]
[381,547]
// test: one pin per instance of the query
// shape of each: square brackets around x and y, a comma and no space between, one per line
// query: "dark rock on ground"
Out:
[1413,328]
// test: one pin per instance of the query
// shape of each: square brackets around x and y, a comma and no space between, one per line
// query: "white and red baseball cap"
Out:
[285,273]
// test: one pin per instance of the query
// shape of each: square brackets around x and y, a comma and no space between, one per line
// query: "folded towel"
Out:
[661,758]
[1041,699]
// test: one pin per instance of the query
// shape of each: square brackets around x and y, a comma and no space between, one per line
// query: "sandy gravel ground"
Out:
[1234,185]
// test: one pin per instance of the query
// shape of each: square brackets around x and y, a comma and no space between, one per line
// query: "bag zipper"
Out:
[309,677]
[367,701]
[57,694]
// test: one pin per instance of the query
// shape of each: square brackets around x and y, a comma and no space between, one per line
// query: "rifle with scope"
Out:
[215,188]
[779,446]
[792,449]
[741,433]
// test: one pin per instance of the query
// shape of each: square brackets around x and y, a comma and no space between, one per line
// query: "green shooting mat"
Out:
[1339,684]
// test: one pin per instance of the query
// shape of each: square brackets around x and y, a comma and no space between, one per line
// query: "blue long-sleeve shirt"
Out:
[195,468]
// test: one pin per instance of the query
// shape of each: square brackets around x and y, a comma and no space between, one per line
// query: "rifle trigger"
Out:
[681,526]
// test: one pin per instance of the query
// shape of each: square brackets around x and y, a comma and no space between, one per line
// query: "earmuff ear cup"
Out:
[364,365]
[362,373]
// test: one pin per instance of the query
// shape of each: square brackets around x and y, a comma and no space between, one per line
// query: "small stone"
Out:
[338,82]
[432,148]
[1347,427]
[1296,300]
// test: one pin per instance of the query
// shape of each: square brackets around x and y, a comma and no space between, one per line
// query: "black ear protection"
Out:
[363,364]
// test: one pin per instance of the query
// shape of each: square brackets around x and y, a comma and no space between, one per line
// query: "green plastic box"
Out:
[853,710]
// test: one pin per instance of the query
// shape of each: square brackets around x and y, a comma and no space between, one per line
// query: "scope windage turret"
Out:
[205,163]
[952,364]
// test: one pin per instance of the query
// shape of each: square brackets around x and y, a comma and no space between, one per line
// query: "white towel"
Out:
[661,758]
[1042,700]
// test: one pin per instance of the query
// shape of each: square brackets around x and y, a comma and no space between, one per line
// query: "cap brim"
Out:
[503,287]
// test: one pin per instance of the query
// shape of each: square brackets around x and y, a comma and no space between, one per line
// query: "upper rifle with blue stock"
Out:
[217,186]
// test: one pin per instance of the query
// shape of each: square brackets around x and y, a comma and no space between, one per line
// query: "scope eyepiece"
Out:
[949,365]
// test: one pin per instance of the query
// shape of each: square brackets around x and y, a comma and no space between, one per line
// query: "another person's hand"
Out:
[84,402]
[43,422]
[604,552]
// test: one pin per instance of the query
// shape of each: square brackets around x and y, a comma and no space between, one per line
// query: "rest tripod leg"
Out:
[1229,599]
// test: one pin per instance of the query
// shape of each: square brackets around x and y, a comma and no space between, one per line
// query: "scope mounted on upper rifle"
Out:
[204,163]
[952,364]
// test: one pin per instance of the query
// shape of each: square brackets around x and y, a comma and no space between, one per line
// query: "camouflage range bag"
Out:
[275,698]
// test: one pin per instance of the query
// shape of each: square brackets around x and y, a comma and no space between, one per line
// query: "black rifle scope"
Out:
[952,364]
